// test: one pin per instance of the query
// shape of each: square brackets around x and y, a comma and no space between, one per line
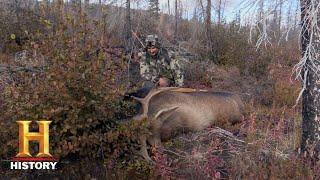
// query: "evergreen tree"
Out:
[154,9]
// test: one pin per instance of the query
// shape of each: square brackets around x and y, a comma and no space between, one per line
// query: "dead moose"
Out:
[170,109]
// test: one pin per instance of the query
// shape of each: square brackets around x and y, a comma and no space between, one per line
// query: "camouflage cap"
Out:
[152,40]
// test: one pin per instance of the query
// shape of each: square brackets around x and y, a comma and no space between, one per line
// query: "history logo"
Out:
[24,160]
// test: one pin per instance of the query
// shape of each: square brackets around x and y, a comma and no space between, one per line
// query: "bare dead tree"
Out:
[59,8]
[280,17]
[238,18]
[296,17]
[208,25]
[176,19]
[86,5]
[128,25]
[289,16]
[169,11]
[208,17]
[219,9]
[128,20]
[309,69]
[274,22]
[260,16]
[154,9]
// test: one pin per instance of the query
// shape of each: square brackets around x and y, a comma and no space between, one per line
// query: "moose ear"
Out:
[163,114]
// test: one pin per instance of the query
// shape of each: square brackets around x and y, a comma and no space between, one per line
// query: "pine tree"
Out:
[154,9]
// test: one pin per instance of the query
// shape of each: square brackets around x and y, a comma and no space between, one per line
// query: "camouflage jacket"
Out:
[165,65]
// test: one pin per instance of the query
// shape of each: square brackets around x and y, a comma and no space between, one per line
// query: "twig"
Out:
[175,153]
[225,133]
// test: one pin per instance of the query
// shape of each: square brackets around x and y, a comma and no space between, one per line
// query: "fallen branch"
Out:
[173,152]
[224,133]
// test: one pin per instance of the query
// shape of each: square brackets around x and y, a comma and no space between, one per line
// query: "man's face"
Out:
[153,51]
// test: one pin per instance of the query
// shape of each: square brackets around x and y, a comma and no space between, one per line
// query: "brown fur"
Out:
[173,111]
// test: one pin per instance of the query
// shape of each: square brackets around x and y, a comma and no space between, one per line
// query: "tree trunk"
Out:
[274,25]
[128,37]
[280,17]
[86,5]
[208,16]
[101,24]
[219,11]
[169,12]
[176,19]
[296,18]
[128,20]
[289,17]
[311,95]
[208,26]
[154,9]
[100,10]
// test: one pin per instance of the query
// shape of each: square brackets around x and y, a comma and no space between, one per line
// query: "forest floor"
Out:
[264,146]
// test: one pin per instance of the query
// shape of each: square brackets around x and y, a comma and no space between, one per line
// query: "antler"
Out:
[165,110]
[154,91]
[187,90]
[145,101]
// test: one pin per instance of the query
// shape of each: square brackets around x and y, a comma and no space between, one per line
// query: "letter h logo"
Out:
[42,137]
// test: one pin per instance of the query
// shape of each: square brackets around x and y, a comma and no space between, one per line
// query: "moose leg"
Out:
[144,151]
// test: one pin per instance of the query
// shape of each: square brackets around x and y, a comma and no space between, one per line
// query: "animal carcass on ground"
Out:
[169,110]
